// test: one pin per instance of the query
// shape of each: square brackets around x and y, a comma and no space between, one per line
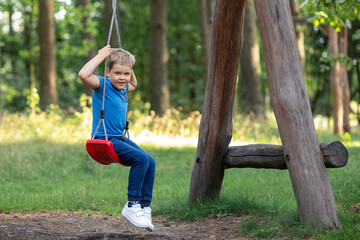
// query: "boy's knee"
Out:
[142,159]
[152,162]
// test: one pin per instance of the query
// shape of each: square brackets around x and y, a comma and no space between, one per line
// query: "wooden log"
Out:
[290,101]
[215,129]
[272,156]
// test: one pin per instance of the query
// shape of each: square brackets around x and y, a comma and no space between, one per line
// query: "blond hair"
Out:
[120,56]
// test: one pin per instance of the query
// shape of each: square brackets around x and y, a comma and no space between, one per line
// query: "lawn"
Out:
[44,166]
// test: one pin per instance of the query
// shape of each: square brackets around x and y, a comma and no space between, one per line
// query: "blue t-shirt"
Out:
[115,107]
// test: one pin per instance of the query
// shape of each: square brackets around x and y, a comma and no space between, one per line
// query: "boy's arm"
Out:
[133,82]
[86,74]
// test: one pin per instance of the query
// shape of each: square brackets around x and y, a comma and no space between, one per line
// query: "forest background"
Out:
[43,44]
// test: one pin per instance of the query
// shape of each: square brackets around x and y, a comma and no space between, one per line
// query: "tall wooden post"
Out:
[216,123]
[291,105]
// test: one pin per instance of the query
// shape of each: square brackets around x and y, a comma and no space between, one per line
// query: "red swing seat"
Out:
[103,152]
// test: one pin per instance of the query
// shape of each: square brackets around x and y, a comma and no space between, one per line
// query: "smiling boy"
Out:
[120,80]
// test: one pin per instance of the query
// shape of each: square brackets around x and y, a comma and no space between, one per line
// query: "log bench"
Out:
[272,156]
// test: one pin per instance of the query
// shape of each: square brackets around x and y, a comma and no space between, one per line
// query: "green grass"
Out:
[44,166]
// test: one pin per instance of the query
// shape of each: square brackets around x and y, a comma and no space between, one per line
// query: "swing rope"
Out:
[102,112]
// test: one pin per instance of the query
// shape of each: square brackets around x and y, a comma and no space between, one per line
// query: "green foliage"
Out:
[173,123]
[184,66]
[332,13]
[248,130]
[185,71]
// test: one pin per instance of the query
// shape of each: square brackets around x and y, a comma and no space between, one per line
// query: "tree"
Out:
[252,99]
[1,107]
[205,12]
[158,75]
[334,15]
[12,45]
[335,79]
[185,66]
[344,78]
[87,36]
[296,13]
[114,41]
[47,67]
[29,61]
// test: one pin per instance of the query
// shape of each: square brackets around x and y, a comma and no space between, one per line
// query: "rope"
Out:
[102,112]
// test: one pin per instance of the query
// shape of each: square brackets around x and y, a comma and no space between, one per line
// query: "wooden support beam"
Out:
[290,101]
[215,129]
[272,156]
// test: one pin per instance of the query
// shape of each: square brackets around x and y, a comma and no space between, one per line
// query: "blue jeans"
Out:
[142,171]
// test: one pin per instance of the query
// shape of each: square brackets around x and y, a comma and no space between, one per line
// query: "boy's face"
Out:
[119,75]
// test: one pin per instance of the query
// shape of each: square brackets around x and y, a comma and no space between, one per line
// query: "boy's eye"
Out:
[119,73]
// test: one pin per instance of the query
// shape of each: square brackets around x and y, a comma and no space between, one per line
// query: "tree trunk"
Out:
[336,88]
[252,100]
[158,78]
[85,35]
[205,20]
[12,46]
[47,67]
[1,109]
[358,78]
[296,13]
[344,79]
[30,64]
[216,121]
[290,101]
[108,9]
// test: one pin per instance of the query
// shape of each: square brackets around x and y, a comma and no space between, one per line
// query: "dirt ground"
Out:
[72,225]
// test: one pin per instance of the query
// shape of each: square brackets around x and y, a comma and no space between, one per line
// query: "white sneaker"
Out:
[147,212]
[136,215]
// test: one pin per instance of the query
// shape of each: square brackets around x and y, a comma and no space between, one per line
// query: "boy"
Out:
[120,80]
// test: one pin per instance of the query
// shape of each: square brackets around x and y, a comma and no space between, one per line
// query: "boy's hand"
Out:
[105,51]
[86,74]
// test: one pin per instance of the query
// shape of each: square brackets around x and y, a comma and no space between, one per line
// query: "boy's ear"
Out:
[107,72]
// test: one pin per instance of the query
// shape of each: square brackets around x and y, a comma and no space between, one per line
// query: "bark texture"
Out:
[158,79]
[108,10]
[47,66]
[87,36]
[344,78]
[216,123]
[252,99]
[296,13]
[272,156]
[290,101]
[336,88]
[205,20]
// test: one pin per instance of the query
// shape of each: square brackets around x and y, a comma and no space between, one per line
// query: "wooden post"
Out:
[216,123]
[291,105]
